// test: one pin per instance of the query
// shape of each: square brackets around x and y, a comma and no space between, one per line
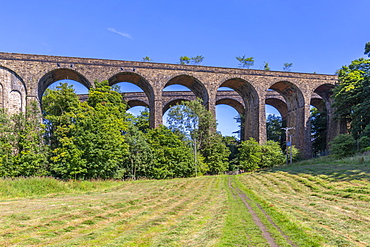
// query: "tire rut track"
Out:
[265,233]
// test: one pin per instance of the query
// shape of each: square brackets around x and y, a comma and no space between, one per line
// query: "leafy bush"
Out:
[272,155]
[253,155]
[250,153]
[343,145]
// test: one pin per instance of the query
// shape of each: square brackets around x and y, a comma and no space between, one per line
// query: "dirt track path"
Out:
[265,233]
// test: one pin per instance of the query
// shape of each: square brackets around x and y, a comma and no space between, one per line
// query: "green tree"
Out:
[245,62]
[142,121]
[22,150]
[6,140]
[29,150]
[249,156]
[147,59]
[318,130]
[287,66]
[216,155]
[55,103]
[343,145]
[171,156]
[351,99]
[197,125]
[273,128]
[139,158]
[90,140]
[185,60]
[367,49]
[197,59]
[232,144]
[272,155]
[266,66]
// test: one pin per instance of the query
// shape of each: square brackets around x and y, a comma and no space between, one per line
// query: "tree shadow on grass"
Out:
[348,169]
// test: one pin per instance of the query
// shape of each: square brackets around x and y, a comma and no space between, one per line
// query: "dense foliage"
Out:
[273,129]
[99,139]
[22,151]
[343,145]
[253,155]
[352,100]
[198,126]
[318,130]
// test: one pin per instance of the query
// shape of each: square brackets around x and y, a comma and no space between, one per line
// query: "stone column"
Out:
[156,114]
[262,136]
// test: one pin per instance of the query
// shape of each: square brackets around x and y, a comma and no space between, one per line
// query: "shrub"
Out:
[272,155]
[343,145]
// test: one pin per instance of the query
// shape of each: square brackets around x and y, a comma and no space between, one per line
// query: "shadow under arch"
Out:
[321,99]
[280,106]
[251,103]
[319,104]
[13,73]
[325,91]
[171,103]
[295,117]
[133,103]
[13,91]
[142,83]
[135,79]
[57,75]
[195,85]
[233,103]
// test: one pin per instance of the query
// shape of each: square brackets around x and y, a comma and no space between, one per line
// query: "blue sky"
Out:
[316,36]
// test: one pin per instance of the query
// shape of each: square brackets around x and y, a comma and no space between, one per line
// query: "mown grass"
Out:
[328,199]
[41,186]
[322,202]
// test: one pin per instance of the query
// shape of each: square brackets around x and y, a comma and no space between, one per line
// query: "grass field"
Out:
[317,203]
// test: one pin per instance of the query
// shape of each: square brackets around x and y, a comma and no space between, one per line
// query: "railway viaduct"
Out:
[24,78]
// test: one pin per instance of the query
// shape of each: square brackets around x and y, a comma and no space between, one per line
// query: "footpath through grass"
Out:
[320,203]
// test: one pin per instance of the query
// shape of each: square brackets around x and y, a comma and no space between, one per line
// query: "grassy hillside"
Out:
[317,203]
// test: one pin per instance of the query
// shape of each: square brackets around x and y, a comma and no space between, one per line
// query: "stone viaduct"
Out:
[25,77]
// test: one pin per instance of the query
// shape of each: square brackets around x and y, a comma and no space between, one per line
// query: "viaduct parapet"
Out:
[25,77]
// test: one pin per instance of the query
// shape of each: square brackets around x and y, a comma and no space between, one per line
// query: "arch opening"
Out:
[132,94]
[228,120]
[293,112]
[321,122]
[136,91]
[247,104]
[61,75]
[318,123]
[274,124]
[12,91]
[129,82]
[186,83]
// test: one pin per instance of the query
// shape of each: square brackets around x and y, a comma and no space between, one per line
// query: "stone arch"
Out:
[321,99]
[195,85]
[15,102]
[133,103]
[319,104]
[171,103]
[13,91]
[57,75]
[251,102]
[280,105]
[15,76]
[233,103]
[141,82]
[135,79]
[325,91]
[296,113]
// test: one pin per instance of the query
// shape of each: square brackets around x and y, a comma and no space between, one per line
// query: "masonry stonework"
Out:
[25,77]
